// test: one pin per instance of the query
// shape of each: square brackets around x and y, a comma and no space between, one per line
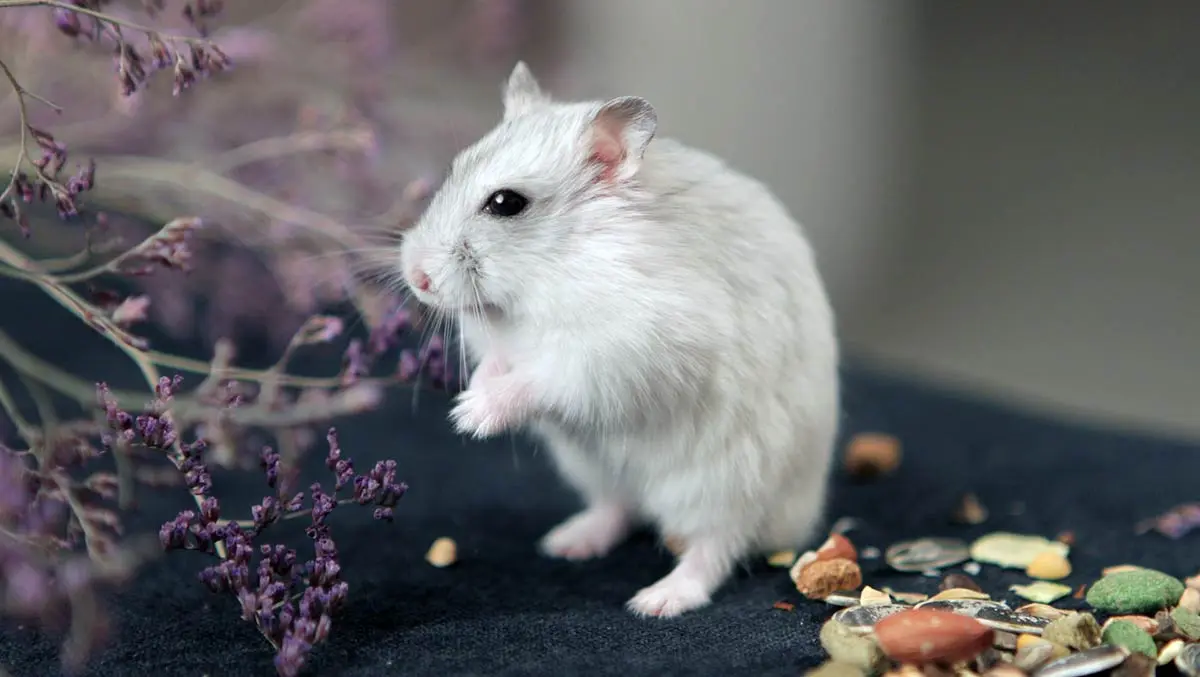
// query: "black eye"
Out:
[505,203]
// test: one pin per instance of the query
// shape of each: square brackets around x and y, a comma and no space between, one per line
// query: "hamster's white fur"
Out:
[654,316]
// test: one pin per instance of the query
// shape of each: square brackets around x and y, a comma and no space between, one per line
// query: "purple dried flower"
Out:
[409,365]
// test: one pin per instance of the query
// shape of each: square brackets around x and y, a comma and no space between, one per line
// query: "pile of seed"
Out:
[1150,619]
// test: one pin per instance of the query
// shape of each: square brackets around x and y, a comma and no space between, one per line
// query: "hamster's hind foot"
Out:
[704,565]
[587,534]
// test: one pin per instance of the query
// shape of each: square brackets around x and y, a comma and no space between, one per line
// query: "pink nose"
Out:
[421,281]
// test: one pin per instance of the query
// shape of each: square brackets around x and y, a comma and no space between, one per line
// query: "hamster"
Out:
[653,316]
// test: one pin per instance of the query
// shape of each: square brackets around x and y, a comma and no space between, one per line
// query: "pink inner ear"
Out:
[607,149]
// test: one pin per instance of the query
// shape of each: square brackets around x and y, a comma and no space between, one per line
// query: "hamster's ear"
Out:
[620,132]
[521,92]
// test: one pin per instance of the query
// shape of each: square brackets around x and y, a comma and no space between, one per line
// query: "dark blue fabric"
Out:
[503,610]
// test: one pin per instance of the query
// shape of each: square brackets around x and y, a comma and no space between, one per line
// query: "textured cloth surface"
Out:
[504,610]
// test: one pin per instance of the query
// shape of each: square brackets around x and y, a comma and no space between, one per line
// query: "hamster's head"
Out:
[501,227]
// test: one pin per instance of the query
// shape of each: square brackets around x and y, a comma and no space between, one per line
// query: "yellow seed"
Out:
[1116,569]
[442,553]
[784,559]
[960,593]
[1026,640]
[872,596]
[1049,565]
[1190,600]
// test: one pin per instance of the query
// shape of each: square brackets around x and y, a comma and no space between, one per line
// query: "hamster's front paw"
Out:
[489,407]
[587,534]
[476,414]
[673,595]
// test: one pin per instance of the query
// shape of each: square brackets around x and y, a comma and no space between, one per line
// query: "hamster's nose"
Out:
[421,280]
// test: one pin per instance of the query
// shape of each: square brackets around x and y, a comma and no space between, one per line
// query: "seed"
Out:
[782,559]
[1188,660]
[923,636]
[1088,662]
[970,510]
[442,553]
[926,553]
[870,455]
[960,593]
[1190,600]
[1049,566]
[992,614]
[1136,665]
[1014,551]
[1033,656]
[824,577]
[907,597]
[862,619]
[1042,611]
[872,596]
[843,598]
[1170,650]
[1041,591]
[1005,640]
[844,645]
[959,581]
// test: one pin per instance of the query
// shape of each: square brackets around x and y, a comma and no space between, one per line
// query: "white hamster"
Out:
[655,317]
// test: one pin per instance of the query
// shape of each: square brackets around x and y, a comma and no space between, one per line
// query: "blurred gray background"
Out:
[1003,194]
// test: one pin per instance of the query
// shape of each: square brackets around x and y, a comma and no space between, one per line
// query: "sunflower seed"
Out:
[993,614]
[926,554]
[861,619]
[1188,660]
[1089,662]
[843,598]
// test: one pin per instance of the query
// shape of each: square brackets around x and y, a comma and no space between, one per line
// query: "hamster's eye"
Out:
[505,203]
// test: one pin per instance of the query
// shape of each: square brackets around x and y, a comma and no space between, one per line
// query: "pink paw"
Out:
[477,413]
[588,534]
[670,597]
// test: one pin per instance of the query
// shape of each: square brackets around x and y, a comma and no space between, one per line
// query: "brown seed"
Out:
[1066,537]
[837,546]
[1136,665]
[1116,569]
[1005,640]
[824,577]
[785,606]
[870,455]
[1042,611]
[959,581]
[969,510]
[921,637]
[442,553]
